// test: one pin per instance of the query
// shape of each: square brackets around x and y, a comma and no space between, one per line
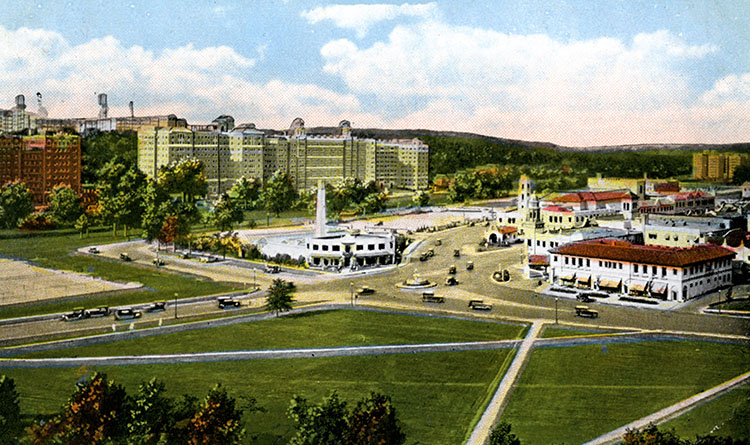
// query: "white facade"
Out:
[675,282]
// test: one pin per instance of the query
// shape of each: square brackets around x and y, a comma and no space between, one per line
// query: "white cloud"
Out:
[196,83]
[360,18]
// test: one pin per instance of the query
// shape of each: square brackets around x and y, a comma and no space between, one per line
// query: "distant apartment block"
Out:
[41,162]
[717,166]
[231,153]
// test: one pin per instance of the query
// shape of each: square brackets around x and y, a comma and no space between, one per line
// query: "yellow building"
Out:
[309,160]
[717,166]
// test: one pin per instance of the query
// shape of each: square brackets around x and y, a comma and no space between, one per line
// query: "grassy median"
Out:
[574,394]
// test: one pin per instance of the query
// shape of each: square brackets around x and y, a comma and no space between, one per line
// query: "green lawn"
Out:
[573,394]
[551,332]
[55,250]
[320,329]
[741,305]
[727,416]
[436,395]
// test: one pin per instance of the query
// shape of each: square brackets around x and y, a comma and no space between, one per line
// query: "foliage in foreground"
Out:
[651,435]
[372,421]
[280,296]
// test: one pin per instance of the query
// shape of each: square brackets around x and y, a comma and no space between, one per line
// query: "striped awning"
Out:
[660,289]
[610,284]
[568,277]
[584,279]
[638,287]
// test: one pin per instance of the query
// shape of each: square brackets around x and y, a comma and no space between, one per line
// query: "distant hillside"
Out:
[379,133]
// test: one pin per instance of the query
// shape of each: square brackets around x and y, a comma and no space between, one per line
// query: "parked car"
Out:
[365,290]
[438,242]
[429,297]
[470,265]
[452,270]
[94,250]
[479,305]
[272,268]
[101,311]
[225,302]
[127,314]
[456,253]
[451,281]
[158,262]
[78,313]
[125,257]
[157,307]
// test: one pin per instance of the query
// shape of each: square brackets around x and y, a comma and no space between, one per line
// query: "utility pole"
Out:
[175,305]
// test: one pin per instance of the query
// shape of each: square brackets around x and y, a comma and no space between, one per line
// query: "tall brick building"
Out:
[41,162]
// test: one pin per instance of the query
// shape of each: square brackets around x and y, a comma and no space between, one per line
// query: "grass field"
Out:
[55,250]
[574,394]
[551,332]
[740,305]
[728,416]
[436,394]
[319,329]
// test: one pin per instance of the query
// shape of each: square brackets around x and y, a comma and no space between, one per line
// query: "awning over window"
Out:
[584,279]
[568,277]
[610,284]
[638,287]
[660,289]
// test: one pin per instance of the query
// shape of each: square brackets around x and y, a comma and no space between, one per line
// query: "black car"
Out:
[157,307]
[225,302]
[125,257]
[102,311]
[78,313]
[94,250]
[127,314]
[158,262]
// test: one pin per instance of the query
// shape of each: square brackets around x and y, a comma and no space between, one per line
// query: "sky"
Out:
[575,73]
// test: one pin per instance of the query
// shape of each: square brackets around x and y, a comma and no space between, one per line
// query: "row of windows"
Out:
[337,248]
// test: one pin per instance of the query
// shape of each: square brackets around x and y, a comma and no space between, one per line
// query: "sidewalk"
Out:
[487,422]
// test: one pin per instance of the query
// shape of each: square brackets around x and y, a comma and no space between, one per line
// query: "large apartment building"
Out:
[717,166]
[41,162]
[308,159]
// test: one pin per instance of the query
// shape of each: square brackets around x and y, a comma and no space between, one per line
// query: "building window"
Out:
[336,248]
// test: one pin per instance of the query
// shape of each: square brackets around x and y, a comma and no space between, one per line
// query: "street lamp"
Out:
[351,290]
[556,300]
[175,305]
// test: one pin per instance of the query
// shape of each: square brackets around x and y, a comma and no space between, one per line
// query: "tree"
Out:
[217,421]
[96,413]
[185,177]
[373,421]
[741,174]
[151,414]
[121,194]
[373,203]
[82,224]
[246,192]
[323,424]
[173,229]
[16,204]
[650,435]
[501,435]
[100,147]
[462,187]
[420,198]
[156,208]
[226,213]
[10,411]
[278,193]
[280,295]
[64,205]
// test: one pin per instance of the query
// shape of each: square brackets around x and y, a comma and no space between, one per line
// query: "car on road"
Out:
[125,257]
[225,302]
[365,290]
[479,305]
[584,311]
[452,269]
[78,313]
[429,297]
[127,314]
[470,265]
[158,262]
[438,242]
[94,250]
[157,307]
[272,268]
[101,311]
[451,281]
[456,253]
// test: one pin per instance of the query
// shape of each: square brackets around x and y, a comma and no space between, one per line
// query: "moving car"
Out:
[78,313]
[429,297]
[158,262]
[457,253]
[452,270]
[584,311]
[94,250]
[470,265]
[127,314]
[225,302]
[125,257]
[157,307]
[479,305]
[272,268]
[451,281]
[365,290]
[101,311]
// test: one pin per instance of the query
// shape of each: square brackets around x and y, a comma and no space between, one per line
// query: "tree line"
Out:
[100,411]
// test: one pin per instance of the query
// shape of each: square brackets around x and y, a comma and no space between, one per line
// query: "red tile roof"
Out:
[539,260]
[560,209]
[616,195]
[691,195]
[619,250]
[507,229]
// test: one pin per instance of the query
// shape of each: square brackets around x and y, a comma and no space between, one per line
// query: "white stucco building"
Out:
[668,273]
